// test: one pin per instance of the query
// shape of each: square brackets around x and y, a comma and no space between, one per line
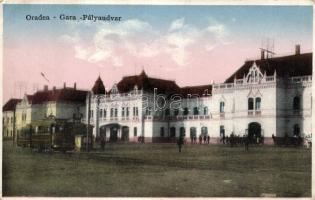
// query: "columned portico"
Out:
[114,132]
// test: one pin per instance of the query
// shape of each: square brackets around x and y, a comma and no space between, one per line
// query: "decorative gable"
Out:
[114,89]
[254,74]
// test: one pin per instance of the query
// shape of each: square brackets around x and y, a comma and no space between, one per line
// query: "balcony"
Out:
[250,113]
[254,112]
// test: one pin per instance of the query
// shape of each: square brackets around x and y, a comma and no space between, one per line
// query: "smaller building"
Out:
[67,103]
[9,118]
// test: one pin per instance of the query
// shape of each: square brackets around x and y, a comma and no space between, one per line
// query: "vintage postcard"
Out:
[160,99]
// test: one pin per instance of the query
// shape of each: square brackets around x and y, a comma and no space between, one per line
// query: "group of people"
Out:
[205,139]
[235,140]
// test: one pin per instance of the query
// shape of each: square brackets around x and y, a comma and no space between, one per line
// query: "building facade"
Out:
[62,103]
[9,118]
[264,98]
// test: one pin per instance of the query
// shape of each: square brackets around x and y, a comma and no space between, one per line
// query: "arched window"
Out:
[222,131]
[101,113]
[193,132]
[257,103]
[296,103]
[204,130]
[123,111]
[296,130]
[172,132]
[112,112]
[250,104]
[205,111]
[104,113]
[196,111]
[182,131]
[176,112]
[162,132]
[222,104]
[116,112]
[186,111]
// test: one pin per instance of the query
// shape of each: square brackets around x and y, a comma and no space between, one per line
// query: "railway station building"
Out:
[265,97]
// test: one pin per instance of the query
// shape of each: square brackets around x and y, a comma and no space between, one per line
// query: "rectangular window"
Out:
[101,113]
[162,132]
[250,103]
[116,112]
[123,111]
[196,111]
[137,113]
[127,112]
[135,131]
[222,107]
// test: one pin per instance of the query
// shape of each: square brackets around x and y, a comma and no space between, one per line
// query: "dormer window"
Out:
[114,89]
[135,89]
[254,75]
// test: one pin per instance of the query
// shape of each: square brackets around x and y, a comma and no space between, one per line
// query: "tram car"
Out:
[51,134]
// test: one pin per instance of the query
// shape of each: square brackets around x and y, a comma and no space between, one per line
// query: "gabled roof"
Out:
[286,66]
[98,87]
[59,95]
[29,98]
[197,90]
[11,104]
[143,82]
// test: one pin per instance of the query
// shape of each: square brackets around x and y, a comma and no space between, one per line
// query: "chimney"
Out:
[297,49]
[45,87]
[64,85]
[262,54]
[75,86]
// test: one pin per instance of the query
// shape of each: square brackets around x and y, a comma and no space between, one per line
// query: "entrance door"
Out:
[254,131]
[113,134]
[125,134]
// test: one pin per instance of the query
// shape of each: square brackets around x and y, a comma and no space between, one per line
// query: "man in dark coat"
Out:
[246,142]
[208,139]
[180,142]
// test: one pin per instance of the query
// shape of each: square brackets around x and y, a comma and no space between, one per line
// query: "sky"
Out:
[193,45]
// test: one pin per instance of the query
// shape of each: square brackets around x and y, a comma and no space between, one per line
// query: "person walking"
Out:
[180,142]
[246,142]
[200,139]
[208,139]
[102,143]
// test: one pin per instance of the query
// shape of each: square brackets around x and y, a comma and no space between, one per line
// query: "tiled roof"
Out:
[98,87]
[29,98]
[293,65]
[200,90]
[11,104]
[59,95]
[143,82]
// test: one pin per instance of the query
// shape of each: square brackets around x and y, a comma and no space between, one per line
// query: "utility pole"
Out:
[88,124]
